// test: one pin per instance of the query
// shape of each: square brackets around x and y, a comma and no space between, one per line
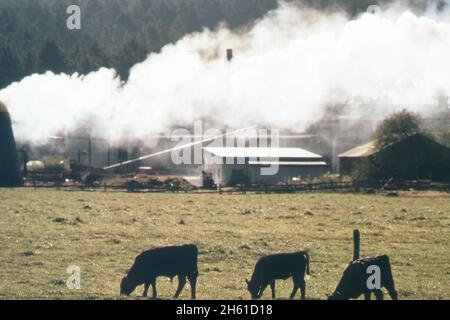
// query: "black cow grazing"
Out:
[279,266]
[354,280]
[170,262]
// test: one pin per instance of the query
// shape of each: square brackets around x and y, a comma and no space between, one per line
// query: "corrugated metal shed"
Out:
[266,166]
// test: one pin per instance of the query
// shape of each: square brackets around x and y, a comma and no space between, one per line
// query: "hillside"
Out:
[115,33]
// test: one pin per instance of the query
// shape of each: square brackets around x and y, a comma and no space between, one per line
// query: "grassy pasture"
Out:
[42,232]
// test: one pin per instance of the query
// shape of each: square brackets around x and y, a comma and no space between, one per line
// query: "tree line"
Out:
[115,33]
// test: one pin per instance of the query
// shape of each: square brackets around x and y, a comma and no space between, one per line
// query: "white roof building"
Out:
[234,165]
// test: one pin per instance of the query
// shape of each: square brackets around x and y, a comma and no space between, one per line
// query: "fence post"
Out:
[356,244]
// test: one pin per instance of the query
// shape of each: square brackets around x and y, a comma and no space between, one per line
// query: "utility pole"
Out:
[24,153]
[90,151]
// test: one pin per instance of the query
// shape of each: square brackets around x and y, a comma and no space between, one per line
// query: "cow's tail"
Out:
[307,262]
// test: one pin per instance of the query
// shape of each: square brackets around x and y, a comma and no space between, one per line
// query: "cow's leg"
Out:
[193,282]
[294,291]
[299,282]
[272,287]
[392,292]
[367,295]
[303,288]
[153,283]
[262,289]
[378,294]
[181,284]
[146,286]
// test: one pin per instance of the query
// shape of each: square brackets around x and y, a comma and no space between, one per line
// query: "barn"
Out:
[9,163]
[414,157]
[233,165]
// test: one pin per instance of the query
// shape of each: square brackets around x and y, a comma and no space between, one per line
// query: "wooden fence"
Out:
[347,186]
[58,181]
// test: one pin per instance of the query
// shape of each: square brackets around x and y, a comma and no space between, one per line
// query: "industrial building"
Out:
[414,157]
[233,165]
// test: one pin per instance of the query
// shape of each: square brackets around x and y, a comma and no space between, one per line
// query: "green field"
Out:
[42,232]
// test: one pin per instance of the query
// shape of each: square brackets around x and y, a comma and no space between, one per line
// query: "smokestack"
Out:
[229,54]
[9,160]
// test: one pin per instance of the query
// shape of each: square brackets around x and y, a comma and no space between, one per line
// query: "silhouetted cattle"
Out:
[279,266]
[170,262]
[354,280]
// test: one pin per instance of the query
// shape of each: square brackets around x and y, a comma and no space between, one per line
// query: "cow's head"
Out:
[253,288]
[127,286]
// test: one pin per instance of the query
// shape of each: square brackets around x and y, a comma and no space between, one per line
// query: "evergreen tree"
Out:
[10,67]
[117,33]
[51,58]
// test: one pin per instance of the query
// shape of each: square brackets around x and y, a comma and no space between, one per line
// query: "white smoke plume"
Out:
[287,68]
